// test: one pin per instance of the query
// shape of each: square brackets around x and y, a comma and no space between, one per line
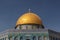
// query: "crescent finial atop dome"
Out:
[29,10]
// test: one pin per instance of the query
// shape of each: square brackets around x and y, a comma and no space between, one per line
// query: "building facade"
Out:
[29,26]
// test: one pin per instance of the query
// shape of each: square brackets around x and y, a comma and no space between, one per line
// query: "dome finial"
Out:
[29,10]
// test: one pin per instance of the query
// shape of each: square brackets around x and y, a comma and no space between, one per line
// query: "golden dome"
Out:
[29,18]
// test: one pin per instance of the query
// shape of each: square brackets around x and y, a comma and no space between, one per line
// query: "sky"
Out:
[48,10]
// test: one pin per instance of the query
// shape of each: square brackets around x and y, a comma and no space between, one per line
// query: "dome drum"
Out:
[29,26]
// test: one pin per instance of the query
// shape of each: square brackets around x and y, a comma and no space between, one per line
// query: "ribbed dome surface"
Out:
[29,18]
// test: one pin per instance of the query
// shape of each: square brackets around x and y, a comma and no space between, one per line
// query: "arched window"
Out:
[34,37]
[53,38]
[21,38]
[23,26]
[45,38]
[34,26]
[28,26]
[39,38]
[16,38]
[9,38]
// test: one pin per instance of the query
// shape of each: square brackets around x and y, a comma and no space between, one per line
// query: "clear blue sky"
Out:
[48,10]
